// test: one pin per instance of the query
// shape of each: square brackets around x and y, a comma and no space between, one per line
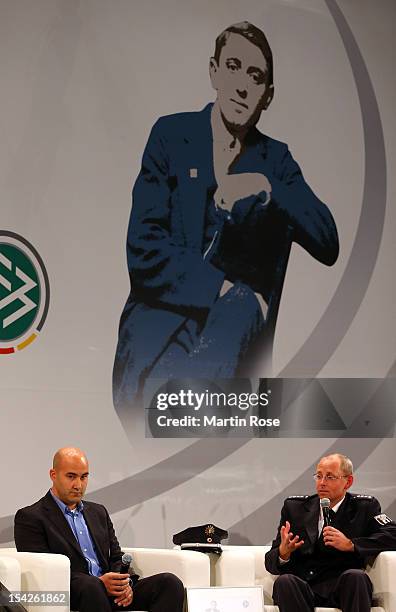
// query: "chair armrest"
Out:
[235,567]
[193,568]
[261,576]
[10,573]
[383,576]
[42,572]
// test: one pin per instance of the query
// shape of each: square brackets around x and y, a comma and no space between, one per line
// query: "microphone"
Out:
[325,505]
[126,561]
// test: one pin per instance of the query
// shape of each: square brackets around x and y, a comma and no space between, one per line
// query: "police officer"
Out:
[323,565]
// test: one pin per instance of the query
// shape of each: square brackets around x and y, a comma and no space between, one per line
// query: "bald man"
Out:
[324,565]
[60,522]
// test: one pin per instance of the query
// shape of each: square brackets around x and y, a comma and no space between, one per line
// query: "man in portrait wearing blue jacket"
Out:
[211,205]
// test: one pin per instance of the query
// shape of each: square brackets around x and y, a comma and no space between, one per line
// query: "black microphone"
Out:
[325,505]
[126,568]
[126,561]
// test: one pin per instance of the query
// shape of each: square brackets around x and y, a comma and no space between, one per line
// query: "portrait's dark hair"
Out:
[255,36]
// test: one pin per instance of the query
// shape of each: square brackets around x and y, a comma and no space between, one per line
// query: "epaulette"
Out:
[359,496]
[298,496]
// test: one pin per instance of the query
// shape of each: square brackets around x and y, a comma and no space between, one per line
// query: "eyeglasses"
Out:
[327,478]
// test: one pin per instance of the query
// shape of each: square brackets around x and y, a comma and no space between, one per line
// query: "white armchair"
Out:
[235,567]
[10,573]
[382,575]
[48,572]
[192,568]
[42,572]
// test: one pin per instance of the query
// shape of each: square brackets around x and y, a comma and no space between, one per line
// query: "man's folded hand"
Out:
[115,583]
[234,187]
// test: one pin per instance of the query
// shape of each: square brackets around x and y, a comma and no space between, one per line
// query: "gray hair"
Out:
[346,464]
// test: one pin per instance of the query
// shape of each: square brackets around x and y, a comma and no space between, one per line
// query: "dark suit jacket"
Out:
[172,200]
[42,527]
[321,565]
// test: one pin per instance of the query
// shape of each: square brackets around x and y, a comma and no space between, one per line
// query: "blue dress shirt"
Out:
[79,527]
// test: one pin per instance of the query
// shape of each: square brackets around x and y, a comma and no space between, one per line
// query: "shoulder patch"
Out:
[383,519]
[298,497]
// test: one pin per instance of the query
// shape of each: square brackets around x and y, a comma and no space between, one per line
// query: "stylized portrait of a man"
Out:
[211,206]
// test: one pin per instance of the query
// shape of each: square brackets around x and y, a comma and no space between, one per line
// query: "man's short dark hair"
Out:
[255,36]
